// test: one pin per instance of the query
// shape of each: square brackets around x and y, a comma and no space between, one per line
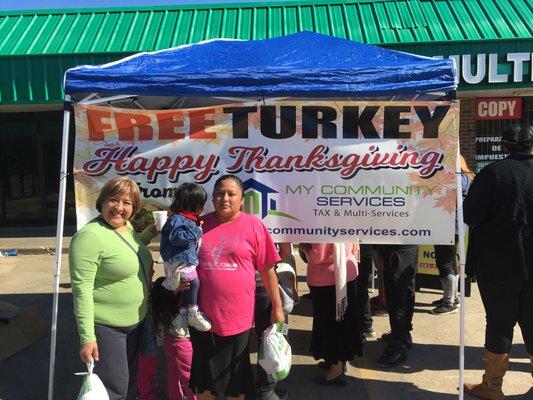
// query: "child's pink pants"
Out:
[178,353]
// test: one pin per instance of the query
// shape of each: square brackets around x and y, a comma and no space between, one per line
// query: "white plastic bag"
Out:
[275,354]
[92,387]
[287,284]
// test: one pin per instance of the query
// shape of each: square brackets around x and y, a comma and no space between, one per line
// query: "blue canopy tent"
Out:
[304,65]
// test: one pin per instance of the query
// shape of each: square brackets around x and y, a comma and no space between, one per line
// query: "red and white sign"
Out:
[499,108]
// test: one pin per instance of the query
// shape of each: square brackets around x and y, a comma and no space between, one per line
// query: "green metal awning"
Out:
[39,46]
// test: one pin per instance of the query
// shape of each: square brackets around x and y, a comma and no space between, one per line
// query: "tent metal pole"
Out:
[89,97]
[59,242]
[108,99]
[179,101]
[462,259]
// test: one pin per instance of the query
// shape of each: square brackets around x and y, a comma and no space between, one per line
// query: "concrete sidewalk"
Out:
[33,240]
[41,240]
[431,371]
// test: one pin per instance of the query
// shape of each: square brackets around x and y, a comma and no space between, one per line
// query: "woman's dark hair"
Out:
[235,179]
[188,197]
[518,138]
[165,303]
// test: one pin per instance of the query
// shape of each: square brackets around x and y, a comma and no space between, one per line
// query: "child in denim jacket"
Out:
[180,240]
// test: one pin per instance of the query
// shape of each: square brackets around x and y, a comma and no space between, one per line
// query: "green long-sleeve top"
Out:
[108,284]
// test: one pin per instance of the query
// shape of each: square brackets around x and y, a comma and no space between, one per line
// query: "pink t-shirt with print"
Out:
[229,255]
[320,267]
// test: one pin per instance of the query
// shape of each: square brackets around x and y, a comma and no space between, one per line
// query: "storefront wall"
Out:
[29,169]
[490,68]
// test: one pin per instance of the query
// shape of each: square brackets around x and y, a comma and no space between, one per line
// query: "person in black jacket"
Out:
[499,211]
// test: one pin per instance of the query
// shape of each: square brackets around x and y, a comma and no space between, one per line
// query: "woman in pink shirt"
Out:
[335,341]
[234,245]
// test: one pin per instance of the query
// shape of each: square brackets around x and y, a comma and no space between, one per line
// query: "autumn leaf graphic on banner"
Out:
[298,125]
[446,142]
[82,178]
[446,201]
[440,182]
[222,126]
[254,121]
[223,131]
[446,146]
[450,158]
[86,196]
[82,153]
[448,139]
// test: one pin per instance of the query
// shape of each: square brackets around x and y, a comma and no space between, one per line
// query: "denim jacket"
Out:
[179,240]
[465,186]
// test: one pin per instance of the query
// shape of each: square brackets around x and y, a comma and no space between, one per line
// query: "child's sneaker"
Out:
[180,325]
[199,321]
[172,331]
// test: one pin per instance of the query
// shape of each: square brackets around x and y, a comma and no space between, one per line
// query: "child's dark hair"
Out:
[165,303]
[188,197]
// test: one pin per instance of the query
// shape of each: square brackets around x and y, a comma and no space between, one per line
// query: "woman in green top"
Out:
[109,266]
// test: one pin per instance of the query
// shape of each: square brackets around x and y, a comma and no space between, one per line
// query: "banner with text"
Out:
[313,171]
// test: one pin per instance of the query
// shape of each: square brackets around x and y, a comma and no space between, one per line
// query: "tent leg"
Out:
[59,243]
[462,253]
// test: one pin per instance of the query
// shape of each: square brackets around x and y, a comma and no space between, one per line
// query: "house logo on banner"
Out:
[259,200]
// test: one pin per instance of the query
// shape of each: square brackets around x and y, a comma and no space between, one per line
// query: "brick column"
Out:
[467,131]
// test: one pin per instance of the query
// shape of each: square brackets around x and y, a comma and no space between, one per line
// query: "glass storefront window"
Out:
[29,169]
[488,135]
[19,171]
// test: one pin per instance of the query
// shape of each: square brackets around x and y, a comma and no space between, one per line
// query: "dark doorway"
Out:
[29,169]
[19,171]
